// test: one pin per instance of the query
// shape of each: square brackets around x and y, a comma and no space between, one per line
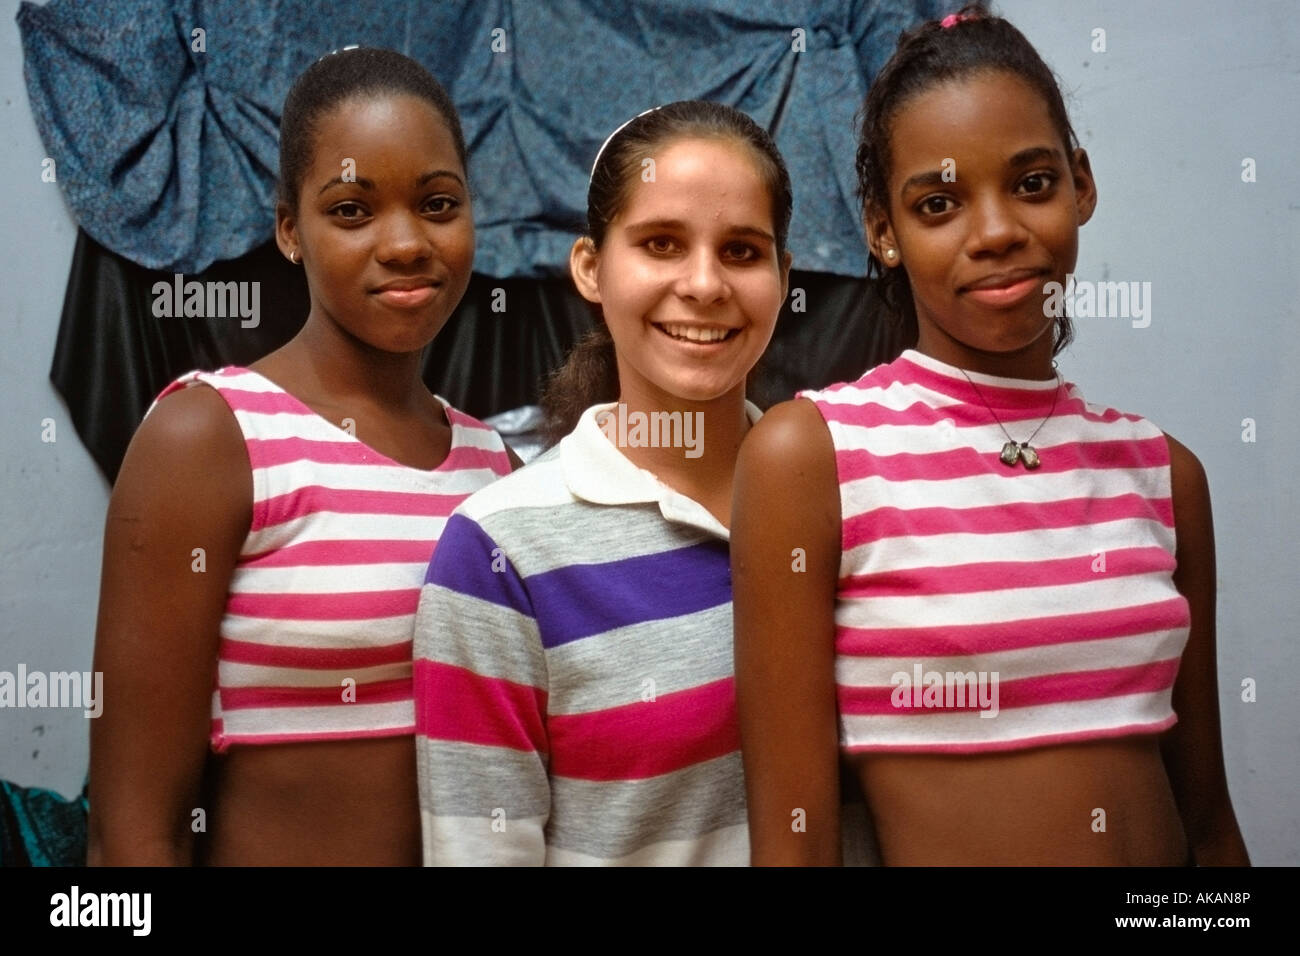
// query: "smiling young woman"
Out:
[260,705]
[972,524]
[980,249]
[573,644]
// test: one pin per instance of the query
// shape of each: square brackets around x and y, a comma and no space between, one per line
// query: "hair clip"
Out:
[952,19]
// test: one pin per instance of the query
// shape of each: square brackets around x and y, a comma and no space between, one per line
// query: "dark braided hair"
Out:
[590,374]
[345,75]
[931,54]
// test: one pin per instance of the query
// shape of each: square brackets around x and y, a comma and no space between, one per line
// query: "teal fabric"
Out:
[40,828]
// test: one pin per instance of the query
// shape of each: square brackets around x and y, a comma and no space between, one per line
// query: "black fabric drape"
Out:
[113,355]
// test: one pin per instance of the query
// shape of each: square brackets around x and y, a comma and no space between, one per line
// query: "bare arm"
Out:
[185,484]
[786,498]
[1193,748]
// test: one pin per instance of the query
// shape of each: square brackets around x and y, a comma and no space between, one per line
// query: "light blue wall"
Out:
[52,497]
[1185,91]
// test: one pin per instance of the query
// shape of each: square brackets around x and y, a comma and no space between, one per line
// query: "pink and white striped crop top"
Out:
[982,607]
[316,637]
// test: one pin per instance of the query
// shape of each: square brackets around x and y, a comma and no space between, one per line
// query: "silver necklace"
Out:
[1013,450]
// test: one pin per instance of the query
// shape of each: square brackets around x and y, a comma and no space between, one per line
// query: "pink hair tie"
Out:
[952,19]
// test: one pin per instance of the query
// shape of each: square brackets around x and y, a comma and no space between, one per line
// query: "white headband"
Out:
[600,152]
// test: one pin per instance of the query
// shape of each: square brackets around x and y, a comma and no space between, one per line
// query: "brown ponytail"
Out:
[588,377]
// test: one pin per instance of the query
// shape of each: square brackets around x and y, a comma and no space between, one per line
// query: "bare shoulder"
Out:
[189,448]
[1188,481]
[786,479]
[791,439]
[196,418]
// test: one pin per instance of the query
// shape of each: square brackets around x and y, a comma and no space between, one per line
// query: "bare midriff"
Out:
[328,803]
[1104,802]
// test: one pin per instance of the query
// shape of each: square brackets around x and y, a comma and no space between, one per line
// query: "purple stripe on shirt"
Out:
[580,600]
[470,562]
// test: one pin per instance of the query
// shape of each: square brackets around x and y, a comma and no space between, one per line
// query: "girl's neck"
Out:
[339,366]
[1034,362]
[700,465]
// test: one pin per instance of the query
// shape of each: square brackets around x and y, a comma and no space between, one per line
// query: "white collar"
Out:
[596,471]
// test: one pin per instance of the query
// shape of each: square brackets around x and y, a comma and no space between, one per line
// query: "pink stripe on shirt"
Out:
[467,707]
[343,551]
[314,658]
[996,575]
[375,692]
[647,738]
[858,463]
[866,527]
[312,499]
[1012,634]
[1021,692]
[337,606]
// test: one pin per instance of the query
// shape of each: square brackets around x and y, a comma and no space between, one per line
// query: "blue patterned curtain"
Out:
[165,138]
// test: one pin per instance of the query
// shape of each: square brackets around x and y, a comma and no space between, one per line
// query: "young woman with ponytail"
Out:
[573,642]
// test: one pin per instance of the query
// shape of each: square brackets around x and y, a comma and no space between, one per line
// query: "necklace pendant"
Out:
[1029,457]
[1011,454]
